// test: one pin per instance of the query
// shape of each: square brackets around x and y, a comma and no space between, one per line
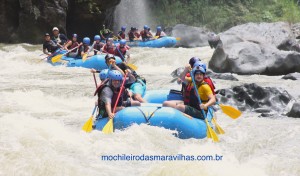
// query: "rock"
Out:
[255,98]
[295,111]
[28,20]
[252,49]
[292,76]
[190,36]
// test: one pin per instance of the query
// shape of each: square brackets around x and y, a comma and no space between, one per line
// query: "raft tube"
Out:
[166,117]
[157,43]
[159,96]
[96,62]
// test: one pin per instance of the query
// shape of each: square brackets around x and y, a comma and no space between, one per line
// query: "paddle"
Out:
[230,111]
[58,57]
[88,126]
[210,132]
[109,127]
[85,55]
[133,67]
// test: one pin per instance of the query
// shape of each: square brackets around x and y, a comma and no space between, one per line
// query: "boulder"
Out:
[253,49]
[252,97]
[295,111]
[292,76]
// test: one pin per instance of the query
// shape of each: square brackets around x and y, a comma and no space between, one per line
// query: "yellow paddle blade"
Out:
[156,37]
[109,127]
[178,38]
[84,57]
[211,132]
[88,126]
[208,134]
[219,130]
[56,58]
[132,66]
[230,111]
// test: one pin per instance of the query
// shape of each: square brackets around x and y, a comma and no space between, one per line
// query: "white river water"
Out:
[43,108]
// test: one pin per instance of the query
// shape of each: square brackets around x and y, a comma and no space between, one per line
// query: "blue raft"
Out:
[155,115]
[157,43]
[97,62]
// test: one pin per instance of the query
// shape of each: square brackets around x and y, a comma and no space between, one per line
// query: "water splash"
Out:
[132,13]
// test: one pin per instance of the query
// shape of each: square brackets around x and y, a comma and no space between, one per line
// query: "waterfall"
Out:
[132,13]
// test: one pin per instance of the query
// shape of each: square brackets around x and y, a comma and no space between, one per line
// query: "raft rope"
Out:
[147,119]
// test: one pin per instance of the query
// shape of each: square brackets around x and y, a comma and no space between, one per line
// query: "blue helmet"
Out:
[97,37]
[103,74]
[193,60]
[198,69]
[115,75]
[122,42]
[123,28]
[201,64]
[74,35]
[158,28]
[146,27]
[86,40]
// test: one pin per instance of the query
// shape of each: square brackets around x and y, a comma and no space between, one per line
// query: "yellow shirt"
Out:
[204,91]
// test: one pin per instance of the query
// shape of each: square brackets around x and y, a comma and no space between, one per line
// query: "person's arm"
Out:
[211,101]
[186,70]
[114,65]
[67,45]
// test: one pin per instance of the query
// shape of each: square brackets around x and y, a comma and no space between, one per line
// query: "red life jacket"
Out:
[74,44]
[131,35]
[122,35]
[144,34]
[121,52]
[98,46]
[190,96]
[208,80]
[101,104]
[109,49]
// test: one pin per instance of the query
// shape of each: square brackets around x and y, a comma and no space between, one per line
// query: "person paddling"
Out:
[145,34]
[72,44]
[105,33]
[49,46]
[109,47]
[159,33]
[122,50]
[84,49]
[191,104]
[97,44]
[121,34]
[59,38]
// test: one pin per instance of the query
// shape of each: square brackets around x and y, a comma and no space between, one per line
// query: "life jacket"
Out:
[190,96]
[98,46]
[74,44]
[120,52]
[144,34]
[122,34]
[208,80]
[109,49]
[131,35]
[101,104]
[84,48]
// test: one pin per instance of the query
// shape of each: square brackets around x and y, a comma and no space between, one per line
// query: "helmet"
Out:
[115,75]
[123,42]
[55,29]
[158,28]
[103,74]
[86,40]
[110,39]
[201,64]
[109,56]
[47,34]
[97,37]
[123,28]
[193,60]
[146,27]
[74,35]
[198,69]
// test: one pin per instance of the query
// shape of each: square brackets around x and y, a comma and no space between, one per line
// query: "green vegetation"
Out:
[219,15]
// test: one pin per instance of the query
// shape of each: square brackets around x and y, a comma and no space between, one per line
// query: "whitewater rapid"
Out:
[43,108]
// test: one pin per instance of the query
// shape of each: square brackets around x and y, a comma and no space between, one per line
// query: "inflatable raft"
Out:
[155,115]
[97,62]
[157,43]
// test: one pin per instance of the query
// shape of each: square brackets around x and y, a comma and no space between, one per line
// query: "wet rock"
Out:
[255,98]
[190,36]
[292,76]
[252,49]
[295,111]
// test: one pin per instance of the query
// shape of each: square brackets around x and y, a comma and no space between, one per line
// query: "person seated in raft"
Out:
[159,33]
[138,86]
[133,34]
[49,46]
[105,33]
[109,47]
[58,38]
[146,35]
[97,44]
[191,104]
[122,50]
[121,34]
[84,49]
[72,44]
[107,96]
